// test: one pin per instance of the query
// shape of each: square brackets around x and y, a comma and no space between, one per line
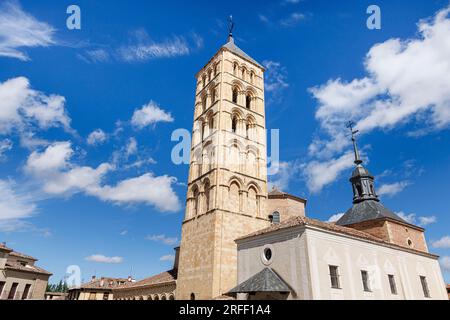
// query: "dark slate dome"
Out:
[367,210]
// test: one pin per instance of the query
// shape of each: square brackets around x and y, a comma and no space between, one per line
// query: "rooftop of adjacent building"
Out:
[105,283]
[18,261]
[341,230]
[276,193]
[165,277]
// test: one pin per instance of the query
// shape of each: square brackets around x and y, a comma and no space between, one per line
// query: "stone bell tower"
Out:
[227,184]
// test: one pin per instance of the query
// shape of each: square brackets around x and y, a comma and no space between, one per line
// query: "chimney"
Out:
[130,278]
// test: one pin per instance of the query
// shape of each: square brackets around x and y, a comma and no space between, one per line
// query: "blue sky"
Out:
[86,117]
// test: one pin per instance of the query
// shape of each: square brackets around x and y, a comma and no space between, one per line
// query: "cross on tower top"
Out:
[351,125]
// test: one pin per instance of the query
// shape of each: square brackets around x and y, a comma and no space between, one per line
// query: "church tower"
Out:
[227,184]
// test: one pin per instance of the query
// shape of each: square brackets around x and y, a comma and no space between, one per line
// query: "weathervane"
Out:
[230,26]
[351,125]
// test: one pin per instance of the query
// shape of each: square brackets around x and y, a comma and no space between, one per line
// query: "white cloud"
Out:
[149,114]
[424,221]
[100,258]
[21,106]
[394,93]
[96,137]
[443,243]
[5,146]
[55,157]
[131,147]
[412,218]
[19,30]
[275,76]
[52,167]
[168,257]
[445,263]
[293,19]
[148,189]
[144,49]
[318,174]
[14,206]
[123,232]
[263,18]
[162,238]
[286,171]
[95,56]
[392,189]
[335,217]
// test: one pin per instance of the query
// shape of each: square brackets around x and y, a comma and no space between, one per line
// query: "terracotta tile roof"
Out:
[4,247]
[105,283]
[21,255]
[304,221]
[276,194]
[33,269]
[164,277]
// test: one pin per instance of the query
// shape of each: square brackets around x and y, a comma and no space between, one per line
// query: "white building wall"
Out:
[301,256]
[352,255]
[288,260]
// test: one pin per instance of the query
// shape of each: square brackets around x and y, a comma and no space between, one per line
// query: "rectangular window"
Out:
[26,291]
[92,296]
[392,284]
[12,292]
[426,291]
[2,285]
[365,280]
[334,277]
[106,296]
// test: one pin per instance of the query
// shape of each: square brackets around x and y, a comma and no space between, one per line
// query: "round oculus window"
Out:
[268,254]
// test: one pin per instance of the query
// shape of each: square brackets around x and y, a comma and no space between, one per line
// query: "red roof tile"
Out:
[304,221]
[163,277]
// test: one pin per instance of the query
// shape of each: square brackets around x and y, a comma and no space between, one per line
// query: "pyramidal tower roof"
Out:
[231,46]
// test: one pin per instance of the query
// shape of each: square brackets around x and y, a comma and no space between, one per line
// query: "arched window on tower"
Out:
[213,96]
[216,69]
[235,69]
[204,80]
[195,196]
[209,75]
[204,124]
[211,124]
[248,101]
[234,124]
[251,77]
[252,201]
[203,104]
[235,95]
[207,196]
[243,73]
